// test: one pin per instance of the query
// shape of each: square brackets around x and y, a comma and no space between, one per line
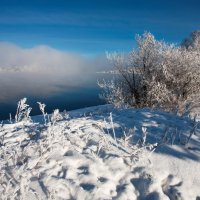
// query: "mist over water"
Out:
[59,79]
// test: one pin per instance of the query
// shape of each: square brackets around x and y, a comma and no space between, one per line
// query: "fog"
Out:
[42,70]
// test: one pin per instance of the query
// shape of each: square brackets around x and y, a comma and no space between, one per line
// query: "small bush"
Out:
[155,74]
[23,111]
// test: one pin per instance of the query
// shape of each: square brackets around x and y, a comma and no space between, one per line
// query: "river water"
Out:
[67,100]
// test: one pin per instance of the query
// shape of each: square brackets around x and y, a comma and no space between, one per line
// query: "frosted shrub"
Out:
[56,116]
[23,111]
[155,74]
[42,107]
[113,92]
[193,41]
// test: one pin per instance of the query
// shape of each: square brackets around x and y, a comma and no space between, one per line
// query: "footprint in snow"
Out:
[87,186]
[170,189]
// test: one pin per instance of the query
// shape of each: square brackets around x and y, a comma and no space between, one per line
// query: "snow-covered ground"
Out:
[101,153]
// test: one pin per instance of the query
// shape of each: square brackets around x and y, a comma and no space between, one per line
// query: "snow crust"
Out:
[101,153]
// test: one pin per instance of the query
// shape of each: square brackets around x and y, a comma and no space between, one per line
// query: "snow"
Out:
[101,153]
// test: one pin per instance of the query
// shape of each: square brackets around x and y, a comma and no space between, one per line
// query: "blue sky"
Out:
[95,26]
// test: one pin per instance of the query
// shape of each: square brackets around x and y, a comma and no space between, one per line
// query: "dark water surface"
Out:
[69,100]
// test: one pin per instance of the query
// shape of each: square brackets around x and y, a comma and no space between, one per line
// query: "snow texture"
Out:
[101,153]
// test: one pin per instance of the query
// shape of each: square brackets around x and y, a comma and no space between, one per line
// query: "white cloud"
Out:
[43,70]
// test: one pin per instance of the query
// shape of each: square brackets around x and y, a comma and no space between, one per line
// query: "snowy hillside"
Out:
[101,153]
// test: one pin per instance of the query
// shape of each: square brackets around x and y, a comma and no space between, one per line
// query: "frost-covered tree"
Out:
[155,74]
[193,41]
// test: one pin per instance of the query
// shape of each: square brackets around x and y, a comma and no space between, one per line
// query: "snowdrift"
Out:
[101,153]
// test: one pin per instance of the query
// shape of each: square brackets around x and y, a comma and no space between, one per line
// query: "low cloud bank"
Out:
[42,70]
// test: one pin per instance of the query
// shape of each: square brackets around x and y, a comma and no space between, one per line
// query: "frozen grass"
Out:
[99,153]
